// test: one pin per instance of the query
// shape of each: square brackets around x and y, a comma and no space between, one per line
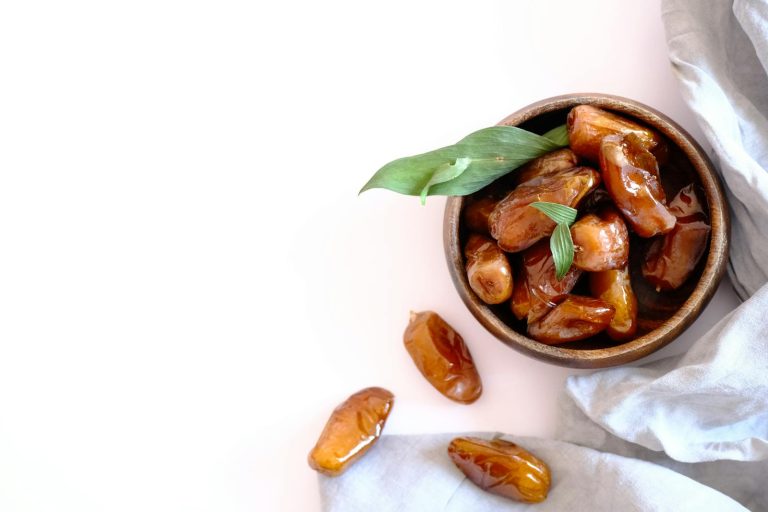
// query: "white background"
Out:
[189,281]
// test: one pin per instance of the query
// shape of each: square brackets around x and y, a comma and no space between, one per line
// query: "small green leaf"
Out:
[558,135]
[559,213]
[445,172]
[561,245]
[492,153]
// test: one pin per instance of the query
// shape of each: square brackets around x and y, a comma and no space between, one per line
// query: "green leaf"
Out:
[559,213]
[558,135]
[445,172]
[561,245]
[485,156]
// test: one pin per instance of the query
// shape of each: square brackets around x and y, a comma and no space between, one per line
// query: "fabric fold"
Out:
[708,404]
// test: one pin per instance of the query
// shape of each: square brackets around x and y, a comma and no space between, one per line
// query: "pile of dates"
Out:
[507,254]
[442,357]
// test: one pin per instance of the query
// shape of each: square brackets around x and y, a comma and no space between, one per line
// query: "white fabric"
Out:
[415,474]
[709,404]
[684,433]
[720,54]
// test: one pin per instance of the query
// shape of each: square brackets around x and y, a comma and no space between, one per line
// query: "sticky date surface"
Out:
[442,357]
[501,467]
[354,426]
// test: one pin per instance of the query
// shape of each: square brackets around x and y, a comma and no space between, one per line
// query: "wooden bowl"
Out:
[661,317]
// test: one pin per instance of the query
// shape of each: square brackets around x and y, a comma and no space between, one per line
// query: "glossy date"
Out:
[516,225]
[672,259]
[354,426]
[631,177]
[615,288]
[601,241]
[575,318]
[588,125]
[521,294]
[558,160]
[488,270]
[545,291]
[501,467]
[442,357]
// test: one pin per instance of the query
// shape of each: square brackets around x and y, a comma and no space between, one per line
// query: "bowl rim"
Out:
[670,329]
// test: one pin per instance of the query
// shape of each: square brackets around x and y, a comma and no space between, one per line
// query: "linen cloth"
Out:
[414,473]
[688,432]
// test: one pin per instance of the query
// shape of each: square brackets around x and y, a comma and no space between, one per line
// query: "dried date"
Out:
[672,259]
[544,289]
[442,357]
[631,177]
[588,125]
[575,318]
[516,225]
[354,426]
[488,270]
[558,160]
[501,467]
[615,288]
[601,241]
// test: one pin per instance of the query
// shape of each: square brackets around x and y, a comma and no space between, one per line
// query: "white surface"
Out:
[189,282]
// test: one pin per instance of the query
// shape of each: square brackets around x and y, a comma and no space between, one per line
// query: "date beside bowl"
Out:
[666,303]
